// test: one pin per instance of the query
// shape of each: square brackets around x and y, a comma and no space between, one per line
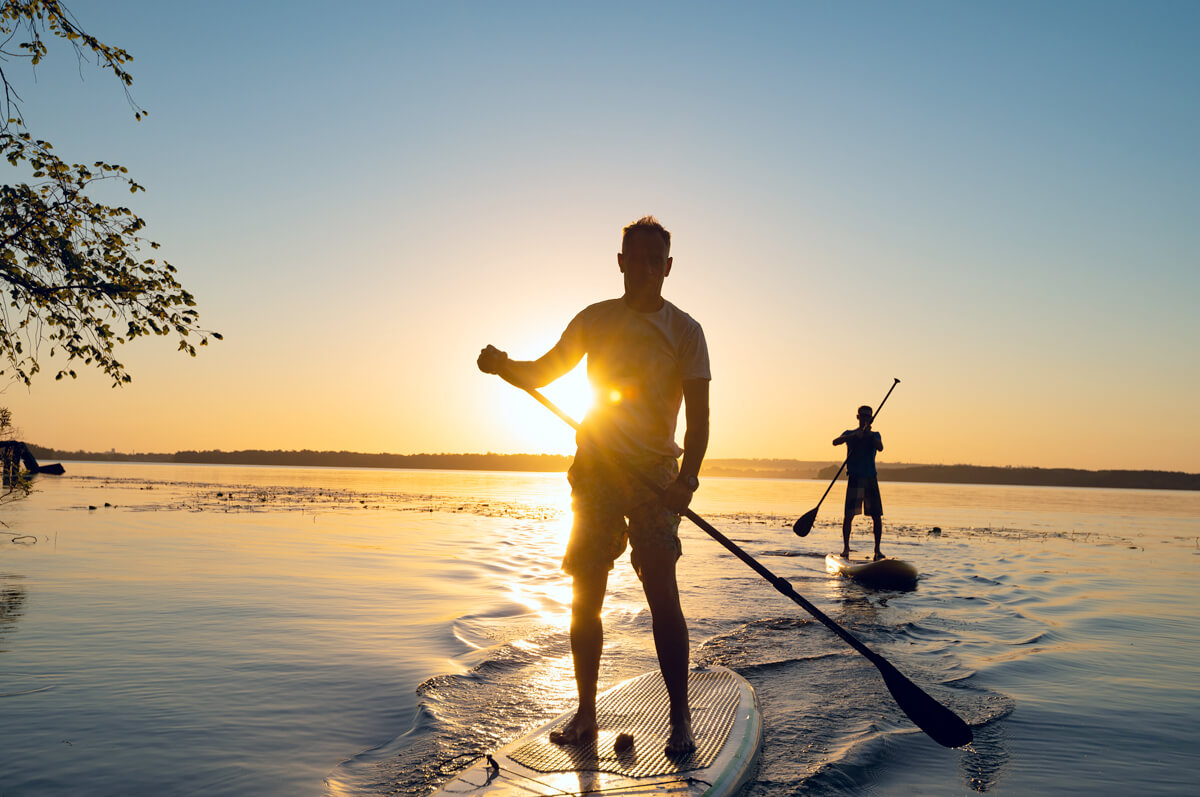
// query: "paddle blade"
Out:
[804,525]
[940,723]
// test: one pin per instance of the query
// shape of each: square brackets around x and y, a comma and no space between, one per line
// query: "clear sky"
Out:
[998,203]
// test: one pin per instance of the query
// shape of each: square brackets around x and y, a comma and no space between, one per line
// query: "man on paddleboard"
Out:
[862,488]
[646,357]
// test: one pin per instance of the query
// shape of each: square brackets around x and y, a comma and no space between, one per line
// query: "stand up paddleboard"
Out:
[725,721]
[882,574]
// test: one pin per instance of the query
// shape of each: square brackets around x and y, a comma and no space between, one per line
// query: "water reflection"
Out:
[12,605]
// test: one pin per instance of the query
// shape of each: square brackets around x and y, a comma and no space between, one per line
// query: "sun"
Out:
[535,429]
[572,393]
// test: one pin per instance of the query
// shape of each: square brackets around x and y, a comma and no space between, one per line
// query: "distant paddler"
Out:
[862,488]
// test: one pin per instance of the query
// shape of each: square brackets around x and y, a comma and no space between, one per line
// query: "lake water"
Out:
[210,630]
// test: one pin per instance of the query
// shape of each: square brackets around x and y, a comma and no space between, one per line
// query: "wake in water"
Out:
[829,722]
[830,725]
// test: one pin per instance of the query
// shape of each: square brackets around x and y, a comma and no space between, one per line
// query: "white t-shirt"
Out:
[637,364]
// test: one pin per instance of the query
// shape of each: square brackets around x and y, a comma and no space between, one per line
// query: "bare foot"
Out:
[846,554]
[580,730]
[680,742]
[879,556]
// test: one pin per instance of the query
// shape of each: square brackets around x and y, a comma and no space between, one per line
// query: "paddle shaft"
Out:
[941,724]
[874,415]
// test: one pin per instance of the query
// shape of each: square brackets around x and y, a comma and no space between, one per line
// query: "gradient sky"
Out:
[997,203]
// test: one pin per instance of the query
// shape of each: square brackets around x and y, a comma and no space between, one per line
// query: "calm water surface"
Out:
[230,630]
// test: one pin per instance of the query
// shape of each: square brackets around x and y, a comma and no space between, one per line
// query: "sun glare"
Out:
[572,393]
[536,430]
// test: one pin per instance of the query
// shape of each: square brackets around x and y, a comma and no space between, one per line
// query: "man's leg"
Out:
[873,506]
[854,505]
[587,643]
[670,641]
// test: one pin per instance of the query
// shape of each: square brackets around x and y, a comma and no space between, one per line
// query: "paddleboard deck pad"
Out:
[725,722]
[881,574]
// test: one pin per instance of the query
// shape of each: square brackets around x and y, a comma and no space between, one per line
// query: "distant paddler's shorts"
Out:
[603,495]
[862,497]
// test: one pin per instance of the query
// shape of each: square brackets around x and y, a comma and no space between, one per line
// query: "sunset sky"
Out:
[998,203]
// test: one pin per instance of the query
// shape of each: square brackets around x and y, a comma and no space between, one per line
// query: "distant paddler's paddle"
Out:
[805,523]
[940,723]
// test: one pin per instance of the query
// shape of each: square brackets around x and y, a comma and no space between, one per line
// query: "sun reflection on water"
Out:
[550,601]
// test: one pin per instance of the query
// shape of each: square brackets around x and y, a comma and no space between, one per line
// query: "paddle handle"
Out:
[875,414]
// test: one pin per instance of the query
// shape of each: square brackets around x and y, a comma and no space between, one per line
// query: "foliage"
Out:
[18,484]
[71,269]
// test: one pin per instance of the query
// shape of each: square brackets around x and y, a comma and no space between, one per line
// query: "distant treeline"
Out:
[349,459]
[537,463]
[764,468]
[745,468]
[1038,477]
[331,459]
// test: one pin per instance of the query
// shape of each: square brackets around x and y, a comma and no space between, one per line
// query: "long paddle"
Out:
[804,524]
[940,723]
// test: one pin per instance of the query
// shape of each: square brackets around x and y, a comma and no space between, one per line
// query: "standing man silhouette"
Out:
[646,357]
[862,488]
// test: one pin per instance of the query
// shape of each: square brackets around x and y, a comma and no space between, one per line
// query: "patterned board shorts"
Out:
[603,495]
[862,497]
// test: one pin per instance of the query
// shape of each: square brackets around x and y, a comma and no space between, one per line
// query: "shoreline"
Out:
[728,467]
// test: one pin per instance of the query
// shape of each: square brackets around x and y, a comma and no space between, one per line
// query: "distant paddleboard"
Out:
[725,720]
[886,573]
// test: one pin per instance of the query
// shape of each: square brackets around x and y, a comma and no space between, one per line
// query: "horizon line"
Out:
[88,455]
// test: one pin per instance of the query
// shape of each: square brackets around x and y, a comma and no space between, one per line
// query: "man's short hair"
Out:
[865,410]
[646,224]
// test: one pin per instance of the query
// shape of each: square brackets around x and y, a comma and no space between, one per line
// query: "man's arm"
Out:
[695,444]
[527,373]
[858,434]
